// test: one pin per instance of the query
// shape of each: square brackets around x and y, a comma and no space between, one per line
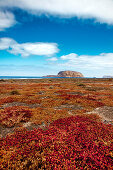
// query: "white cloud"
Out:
[71,56]
[7,20]
[27,49]
[6,43]
[52,59]
[100,10]
[104,60]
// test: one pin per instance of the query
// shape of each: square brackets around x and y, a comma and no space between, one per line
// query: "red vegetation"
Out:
[69,143]
[14,115]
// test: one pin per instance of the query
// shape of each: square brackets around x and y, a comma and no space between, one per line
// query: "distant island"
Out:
[67,74]
[107,76]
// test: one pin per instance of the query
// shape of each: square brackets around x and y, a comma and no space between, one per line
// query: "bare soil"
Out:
[105,112]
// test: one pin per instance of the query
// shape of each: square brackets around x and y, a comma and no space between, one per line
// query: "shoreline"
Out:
[36,78]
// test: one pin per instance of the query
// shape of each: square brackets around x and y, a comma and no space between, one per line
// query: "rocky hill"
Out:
[70,74]
[67,74]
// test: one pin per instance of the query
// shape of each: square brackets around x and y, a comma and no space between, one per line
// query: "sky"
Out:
[43,37]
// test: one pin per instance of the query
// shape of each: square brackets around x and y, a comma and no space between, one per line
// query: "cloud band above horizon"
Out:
[103,60]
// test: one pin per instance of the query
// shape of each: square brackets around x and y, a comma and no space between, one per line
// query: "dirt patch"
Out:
[105,112]
[4,131]
[31,126]
[19,104]
[76,93]
[72,107]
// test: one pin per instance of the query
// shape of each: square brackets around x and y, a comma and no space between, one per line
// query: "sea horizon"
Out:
[38,77]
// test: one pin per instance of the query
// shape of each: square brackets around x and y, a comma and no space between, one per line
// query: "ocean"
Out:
[20,77]
[35,77]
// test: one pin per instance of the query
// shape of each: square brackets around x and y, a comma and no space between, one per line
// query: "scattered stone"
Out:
[27,124]
[70,113]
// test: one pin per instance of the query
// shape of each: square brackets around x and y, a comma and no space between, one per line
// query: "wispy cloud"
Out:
[103,60]
[27,49]
[100,10]
[52,59]
[71,56]
[6,43]
[7,20]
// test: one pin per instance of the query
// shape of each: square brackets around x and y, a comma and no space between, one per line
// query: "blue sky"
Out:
[44,37]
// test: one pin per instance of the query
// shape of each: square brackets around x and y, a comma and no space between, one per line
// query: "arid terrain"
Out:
[56,123]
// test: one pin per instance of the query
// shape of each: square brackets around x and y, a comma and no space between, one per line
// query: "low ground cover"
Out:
[69,143]
[60,135]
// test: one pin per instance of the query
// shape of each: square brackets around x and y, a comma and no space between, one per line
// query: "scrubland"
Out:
[52,124]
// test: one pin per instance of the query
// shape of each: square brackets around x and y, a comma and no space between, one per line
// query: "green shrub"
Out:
[81,84]
[14,92]
[2,80]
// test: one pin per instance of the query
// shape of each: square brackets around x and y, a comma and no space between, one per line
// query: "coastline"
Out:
[44,77]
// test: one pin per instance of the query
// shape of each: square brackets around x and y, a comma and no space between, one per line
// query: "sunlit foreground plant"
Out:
[69,143]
